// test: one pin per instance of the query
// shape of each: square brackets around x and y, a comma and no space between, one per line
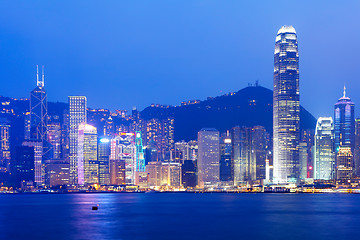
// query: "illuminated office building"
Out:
[104,160]
[240,138]
[56,173]
[303,160]
[140,157]
[39,116]
[189,173]
[160,132]
[324,152]
[344,123]
[77,115]
[39,172]
[22,167]
[249,153]
[153,170]
[209,157]
[225,157]
[5,147]
[344,163]
[54,138]
[123,149]
[286,107]
[185,151]
[117,172]
[88,166]
[357,147]
[260,139]
[171,174]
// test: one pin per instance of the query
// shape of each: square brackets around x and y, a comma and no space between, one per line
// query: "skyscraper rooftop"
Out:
[286,29]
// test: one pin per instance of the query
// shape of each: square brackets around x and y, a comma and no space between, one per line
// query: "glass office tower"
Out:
[209,157]
[77,115]
[324,154]
[286,106]
[344,123]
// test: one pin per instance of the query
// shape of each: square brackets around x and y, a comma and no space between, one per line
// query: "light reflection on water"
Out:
[179,216]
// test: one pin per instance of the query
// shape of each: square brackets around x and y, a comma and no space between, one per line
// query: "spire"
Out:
[37,75]
[43,76]
[39,83]
[344,91]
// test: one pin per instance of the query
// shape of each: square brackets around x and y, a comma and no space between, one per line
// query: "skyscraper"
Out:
[357,147]
[344,163]
[88,166]
[36,145]
[104,160]
[344,136]
[54,138]
[286,106]
[39,115]
[5,147]
[225,157]
[324,154]
[77,115]
[209,157]
[344,123]
[123,149]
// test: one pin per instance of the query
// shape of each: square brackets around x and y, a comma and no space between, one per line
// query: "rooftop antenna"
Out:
[344,90]
[43,77]
[37,75]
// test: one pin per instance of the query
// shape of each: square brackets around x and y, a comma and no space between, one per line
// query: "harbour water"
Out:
[179,216]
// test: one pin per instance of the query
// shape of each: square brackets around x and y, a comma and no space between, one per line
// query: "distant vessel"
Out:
[95,207]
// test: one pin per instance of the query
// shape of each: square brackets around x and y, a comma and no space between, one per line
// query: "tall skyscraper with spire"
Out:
[38,109]
[344,118]
[38,125]
[286,106]
[344,122]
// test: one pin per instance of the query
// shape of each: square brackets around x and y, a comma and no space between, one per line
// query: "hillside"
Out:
[248,107]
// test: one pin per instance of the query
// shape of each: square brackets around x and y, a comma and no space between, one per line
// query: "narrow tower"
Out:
[286,106]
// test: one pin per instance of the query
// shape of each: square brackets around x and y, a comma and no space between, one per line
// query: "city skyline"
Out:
[162,66]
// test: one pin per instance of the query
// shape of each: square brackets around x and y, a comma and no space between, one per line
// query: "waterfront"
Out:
[179,216]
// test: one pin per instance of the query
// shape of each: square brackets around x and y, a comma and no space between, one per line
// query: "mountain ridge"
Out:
[250,106]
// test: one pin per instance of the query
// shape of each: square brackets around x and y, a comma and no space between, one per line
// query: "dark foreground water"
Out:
[180,216]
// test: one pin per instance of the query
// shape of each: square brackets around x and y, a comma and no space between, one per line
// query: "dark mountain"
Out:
[249,107]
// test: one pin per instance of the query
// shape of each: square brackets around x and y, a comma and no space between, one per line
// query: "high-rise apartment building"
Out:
[88,166]
[286,107]
[323,150]
[209,157]
[77,115]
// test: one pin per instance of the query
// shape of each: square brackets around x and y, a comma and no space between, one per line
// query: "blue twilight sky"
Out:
[122,54]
